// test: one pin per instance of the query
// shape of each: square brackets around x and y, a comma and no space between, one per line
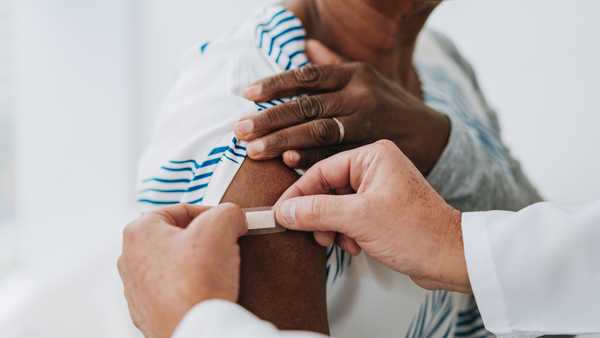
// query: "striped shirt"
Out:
[194,156]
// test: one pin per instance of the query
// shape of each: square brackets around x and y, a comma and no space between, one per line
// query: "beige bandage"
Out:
[261,221]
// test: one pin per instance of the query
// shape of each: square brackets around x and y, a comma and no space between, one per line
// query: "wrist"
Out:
[428,139]
[450,267]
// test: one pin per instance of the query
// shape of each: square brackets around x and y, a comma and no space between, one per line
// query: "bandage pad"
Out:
[261,221]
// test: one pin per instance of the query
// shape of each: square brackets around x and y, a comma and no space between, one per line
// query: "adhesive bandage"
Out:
[261,221]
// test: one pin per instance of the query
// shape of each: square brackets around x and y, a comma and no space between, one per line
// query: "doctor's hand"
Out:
[176,257]
[353,97]
[373,198]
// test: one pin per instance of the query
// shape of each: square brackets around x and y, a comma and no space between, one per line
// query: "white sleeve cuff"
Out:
[223,319]
[482,270]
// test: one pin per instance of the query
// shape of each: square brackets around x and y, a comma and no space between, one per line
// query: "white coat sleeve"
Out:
[536,271]
[222,319]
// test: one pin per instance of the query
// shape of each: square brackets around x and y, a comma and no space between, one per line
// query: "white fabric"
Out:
[536,271]
[222,319]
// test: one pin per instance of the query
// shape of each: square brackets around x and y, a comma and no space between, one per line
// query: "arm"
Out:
[283,275]
[530,289]
[476,170]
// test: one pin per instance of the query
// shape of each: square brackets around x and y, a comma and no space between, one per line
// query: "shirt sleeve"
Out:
[193,154]
[535,271]
[218,318]
[476,171]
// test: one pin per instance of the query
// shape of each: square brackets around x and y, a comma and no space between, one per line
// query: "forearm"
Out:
[513,260]
[283,275]
[476,173]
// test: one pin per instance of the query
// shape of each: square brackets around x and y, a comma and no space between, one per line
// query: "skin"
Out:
[177,257]
[270,286]
[194,250]
[364,76]
[393,214]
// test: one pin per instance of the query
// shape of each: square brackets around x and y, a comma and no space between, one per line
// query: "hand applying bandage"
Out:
[177,257]
[384,206]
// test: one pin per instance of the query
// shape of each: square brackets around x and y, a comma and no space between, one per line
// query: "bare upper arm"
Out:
[283,275]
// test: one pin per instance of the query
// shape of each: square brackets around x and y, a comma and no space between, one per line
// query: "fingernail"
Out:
[253,91]
[293,157]
[256,147]
[243,127]
[286,214]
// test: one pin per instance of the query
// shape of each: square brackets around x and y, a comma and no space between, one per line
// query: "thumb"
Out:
[319,213]
[225,222]
[319,54]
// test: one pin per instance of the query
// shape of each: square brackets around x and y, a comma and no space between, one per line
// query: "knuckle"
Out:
[130,232]
[307,75]
[278,140]
[309,107]
[384,146]
[324,131]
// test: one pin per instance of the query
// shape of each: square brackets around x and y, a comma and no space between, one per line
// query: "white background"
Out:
[90,75]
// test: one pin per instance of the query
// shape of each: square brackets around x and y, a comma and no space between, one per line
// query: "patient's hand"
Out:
[368,105]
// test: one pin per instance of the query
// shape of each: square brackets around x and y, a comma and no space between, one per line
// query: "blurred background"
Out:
[80,82]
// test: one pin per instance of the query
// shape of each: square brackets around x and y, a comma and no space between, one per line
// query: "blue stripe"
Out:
[441,319]
[201,176]
[467,320]
[209,162]
[196,201]
[273,18]
[184,162]
[296,53]
[297,38]
[218,150]
[232,160]
[468,332]
[282,33]
[203,47]
[190,189]
[447,333]
[166,180]
[234,153]
[303,64]
[178,169]
[237,146]
[143,200]
[267,30]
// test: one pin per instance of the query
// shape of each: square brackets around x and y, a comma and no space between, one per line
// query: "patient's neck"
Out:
[379,32]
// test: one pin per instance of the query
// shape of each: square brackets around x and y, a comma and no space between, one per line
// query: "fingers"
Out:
[319,54]
[314,134]
[299,81]
[224,223]
[348,244]
[320,213]
[304,159]
[291,113]
[180,215]
[324,238]
[341,172]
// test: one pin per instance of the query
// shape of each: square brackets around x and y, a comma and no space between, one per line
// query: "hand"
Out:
[384,207]
[368,105]
[175,258]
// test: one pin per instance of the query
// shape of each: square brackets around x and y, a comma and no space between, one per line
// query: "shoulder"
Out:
[435,47]
[193,130]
